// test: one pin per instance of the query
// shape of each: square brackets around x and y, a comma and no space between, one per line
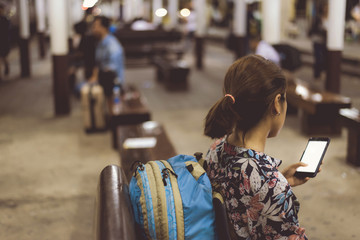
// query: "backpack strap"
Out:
[199,158]
[159,202]
[146,201]
[221,218]
[179,213]
[195,169]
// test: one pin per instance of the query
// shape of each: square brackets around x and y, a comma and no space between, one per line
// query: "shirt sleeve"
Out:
[116,62]
[278,214]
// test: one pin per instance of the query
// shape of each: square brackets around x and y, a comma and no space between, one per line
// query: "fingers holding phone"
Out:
[289,174]
[310,162]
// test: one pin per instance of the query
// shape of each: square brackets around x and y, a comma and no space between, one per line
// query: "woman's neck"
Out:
[255,139]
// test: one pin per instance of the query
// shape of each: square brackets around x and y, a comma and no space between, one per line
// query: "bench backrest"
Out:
[114,217]
[130,37]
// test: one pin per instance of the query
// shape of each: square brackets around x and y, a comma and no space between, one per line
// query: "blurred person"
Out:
[259,199]
[82,54]
[355,23]
[190,27]
[262,48]
[109,56]
[86,44]
[4,41]
[318,35]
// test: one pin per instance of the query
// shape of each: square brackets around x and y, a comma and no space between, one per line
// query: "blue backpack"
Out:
[172,200]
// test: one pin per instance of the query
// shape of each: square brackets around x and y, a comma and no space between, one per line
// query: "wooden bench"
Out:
[114,217]
[133,111]
[319,109]
[350,118]
[173,73]
[162,150]
[148,43]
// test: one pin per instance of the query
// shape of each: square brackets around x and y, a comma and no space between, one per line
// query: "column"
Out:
[335,44]
[200,11]
[139,8]
[271,21]
[127,10]
[24,37]
[240,28]
[173,7]
[76,11]
[59,49]
[132,9]
[70,23]
[156,5]
[41,26]
[115,6]
[147,10]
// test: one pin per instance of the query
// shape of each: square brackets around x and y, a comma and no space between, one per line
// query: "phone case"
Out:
[313,174]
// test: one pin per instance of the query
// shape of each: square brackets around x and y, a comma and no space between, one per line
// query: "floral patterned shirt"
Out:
[259,200]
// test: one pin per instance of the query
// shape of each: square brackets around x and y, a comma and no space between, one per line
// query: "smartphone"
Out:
[313,156]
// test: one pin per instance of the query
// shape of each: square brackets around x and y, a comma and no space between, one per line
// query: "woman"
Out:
[258,198]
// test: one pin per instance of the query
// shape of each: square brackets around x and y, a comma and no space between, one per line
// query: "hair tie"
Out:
[231,96]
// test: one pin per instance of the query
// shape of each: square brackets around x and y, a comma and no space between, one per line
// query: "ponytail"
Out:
[220,119]
[250,85]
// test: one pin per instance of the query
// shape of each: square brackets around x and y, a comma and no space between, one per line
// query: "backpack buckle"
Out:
[198,155]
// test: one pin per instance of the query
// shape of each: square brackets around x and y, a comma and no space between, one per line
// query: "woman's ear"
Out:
[277,104]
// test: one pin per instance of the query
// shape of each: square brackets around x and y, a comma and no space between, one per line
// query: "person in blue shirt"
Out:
[109,57]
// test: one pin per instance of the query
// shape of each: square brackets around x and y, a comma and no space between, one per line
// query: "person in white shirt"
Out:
[264,49]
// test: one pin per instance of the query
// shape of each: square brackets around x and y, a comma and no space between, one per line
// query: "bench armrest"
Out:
[114,217]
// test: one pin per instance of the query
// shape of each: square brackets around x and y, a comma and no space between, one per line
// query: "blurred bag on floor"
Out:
[93,107]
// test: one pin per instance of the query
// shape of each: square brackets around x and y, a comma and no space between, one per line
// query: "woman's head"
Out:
[258,87]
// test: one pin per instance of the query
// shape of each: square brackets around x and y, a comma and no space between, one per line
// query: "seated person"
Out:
[259,199]
[262,48]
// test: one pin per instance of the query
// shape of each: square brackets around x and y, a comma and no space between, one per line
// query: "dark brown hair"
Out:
[254,82]
[104,21]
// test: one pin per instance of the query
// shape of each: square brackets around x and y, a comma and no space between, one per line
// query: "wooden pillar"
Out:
[200,11]
[24,38]
[335,44]
[199,51]
[271,23]
[41,26]
[59,49]
[239,27]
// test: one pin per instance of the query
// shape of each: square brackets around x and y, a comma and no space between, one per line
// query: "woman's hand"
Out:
[289,174]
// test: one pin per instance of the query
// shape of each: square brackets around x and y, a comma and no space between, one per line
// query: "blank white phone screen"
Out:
[312,155]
